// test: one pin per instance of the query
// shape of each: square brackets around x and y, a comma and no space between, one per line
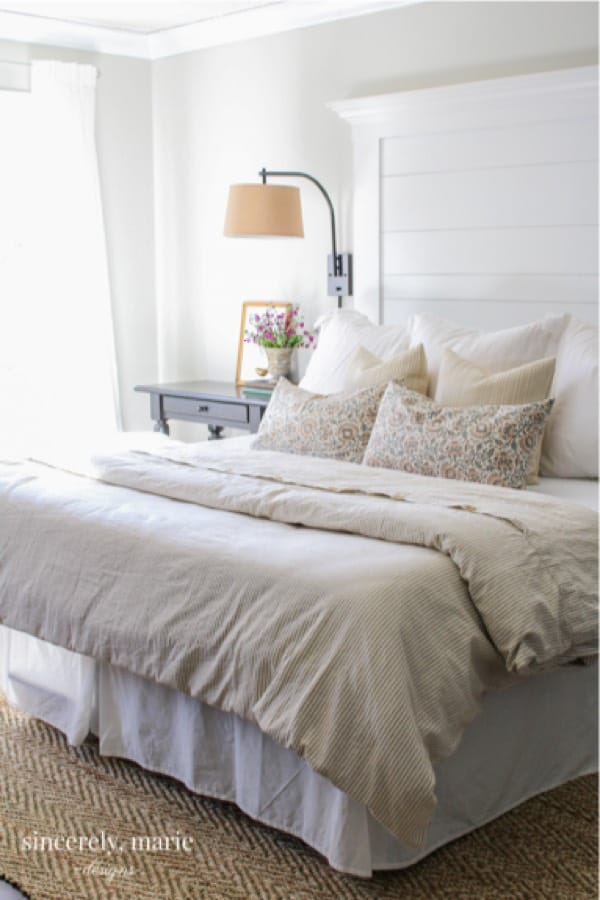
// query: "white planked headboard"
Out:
[479,201]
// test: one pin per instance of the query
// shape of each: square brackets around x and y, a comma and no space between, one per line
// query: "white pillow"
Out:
[570,448]
[340,333]
[496,351]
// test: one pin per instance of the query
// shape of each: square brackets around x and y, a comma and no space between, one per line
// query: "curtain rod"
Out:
[14,62]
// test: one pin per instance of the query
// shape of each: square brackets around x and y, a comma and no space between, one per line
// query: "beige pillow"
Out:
[462,383]
[337,426]
[367,370]
[488,443]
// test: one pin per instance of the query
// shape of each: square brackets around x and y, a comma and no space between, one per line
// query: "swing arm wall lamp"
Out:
[267,210]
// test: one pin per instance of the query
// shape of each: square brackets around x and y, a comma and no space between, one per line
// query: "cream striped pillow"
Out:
[367,370]
[462,383]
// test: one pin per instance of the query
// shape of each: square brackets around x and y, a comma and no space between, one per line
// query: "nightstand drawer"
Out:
[217,404]
[209,410]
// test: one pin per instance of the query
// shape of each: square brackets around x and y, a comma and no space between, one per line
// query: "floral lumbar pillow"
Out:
[337,426]
[367,370]
[462,383]
[489,444]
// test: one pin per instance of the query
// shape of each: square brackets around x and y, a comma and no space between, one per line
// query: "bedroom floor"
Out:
[547,846]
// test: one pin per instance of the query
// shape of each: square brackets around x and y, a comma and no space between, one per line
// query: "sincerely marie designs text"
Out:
[107,843]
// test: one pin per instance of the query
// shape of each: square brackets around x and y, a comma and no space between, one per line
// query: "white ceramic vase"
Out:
[280,361]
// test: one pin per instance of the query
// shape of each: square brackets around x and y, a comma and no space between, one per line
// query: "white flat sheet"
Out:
[582,491]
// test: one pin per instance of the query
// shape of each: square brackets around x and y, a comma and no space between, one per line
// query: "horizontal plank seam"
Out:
[488,228]
[488,274]
[483,298]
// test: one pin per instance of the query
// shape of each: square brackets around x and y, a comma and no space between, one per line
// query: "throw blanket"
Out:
[371,671]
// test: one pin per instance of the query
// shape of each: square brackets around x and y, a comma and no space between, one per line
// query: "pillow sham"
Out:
[340,333]
[570,448]
[367,370]
[335,426]
[461,383]
[488,444]
[495,350]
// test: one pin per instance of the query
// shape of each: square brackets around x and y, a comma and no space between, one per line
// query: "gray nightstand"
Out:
[213,403]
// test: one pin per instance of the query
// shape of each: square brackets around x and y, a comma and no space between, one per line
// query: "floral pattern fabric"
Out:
[488,444]
[336,426]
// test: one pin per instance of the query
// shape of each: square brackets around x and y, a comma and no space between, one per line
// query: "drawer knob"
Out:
[203,408]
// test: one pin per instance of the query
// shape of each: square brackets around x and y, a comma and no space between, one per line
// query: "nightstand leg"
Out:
[214,432]
[161,425]
[255,415]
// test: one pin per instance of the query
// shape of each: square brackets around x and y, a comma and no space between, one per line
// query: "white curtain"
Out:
[57,353]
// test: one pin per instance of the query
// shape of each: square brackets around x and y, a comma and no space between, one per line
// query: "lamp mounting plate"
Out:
[339,277]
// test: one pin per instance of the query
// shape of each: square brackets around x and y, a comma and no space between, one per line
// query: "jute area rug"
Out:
[545,849]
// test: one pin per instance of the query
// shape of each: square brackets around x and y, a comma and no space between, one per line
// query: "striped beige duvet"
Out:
[367,653]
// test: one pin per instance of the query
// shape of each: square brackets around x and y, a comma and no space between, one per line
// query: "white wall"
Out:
[221,114]
[172,135]
[125,151]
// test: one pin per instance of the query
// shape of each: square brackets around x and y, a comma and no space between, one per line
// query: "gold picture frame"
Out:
[252,356]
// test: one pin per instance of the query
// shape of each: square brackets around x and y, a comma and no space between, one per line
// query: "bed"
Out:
[221,754]
[374,661]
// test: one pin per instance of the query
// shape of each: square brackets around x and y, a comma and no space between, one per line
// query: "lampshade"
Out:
[263,209]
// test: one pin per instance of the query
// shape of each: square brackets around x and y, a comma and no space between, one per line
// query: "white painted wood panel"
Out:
[508,251]
[541,142]
[550,194]
[478,201]
[561,289]
[488,316]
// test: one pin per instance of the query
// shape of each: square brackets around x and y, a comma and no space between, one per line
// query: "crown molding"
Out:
[558,84]
[265,20]
[58,33]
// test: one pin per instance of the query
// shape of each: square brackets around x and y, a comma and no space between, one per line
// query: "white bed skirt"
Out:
[530,738]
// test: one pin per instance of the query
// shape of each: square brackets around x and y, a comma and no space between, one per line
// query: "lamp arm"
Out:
[264,174]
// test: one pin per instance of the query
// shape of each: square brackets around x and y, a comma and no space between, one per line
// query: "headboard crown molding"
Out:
[561,83]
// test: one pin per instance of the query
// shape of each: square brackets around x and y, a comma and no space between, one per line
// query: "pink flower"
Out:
[278,329]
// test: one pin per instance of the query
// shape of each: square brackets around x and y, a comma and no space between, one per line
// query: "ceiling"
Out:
[140,17]
[156,28]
